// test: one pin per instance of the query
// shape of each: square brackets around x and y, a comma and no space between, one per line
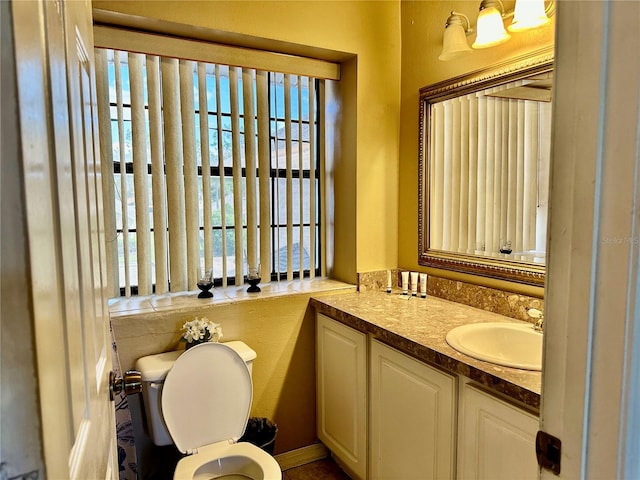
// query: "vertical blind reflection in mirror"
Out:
[489,173]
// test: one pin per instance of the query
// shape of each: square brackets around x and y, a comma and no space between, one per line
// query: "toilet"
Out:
[201,400]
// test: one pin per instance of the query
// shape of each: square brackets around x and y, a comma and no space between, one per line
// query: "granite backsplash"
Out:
[509,304]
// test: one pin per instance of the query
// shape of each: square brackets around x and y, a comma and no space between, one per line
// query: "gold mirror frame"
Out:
[540,61]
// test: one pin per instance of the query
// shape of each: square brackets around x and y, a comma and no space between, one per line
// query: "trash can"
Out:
[262,433]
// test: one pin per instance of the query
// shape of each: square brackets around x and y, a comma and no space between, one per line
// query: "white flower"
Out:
[216,332]
[201,330]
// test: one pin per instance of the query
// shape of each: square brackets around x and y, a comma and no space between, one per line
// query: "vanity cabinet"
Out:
[341,376]
[386,415]
[411,417]
[496,439]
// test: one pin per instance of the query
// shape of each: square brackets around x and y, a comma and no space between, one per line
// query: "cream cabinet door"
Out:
[341,355]
[497,439]
[412,418]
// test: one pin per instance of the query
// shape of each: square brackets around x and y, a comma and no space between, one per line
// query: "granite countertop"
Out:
[418,327]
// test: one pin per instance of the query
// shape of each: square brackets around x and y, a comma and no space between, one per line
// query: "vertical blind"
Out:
[485,150]
[206,167]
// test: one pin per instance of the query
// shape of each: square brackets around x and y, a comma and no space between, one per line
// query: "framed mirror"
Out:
[484,158]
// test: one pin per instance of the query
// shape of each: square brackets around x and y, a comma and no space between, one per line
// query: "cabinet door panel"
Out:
[497,439]
[412,417]
[341,392]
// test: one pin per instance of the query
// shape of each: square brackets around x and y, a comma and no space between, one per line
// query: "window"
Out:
[188,191]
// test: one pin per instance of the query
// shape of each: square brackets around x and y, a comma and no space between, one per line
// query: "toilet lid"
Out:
[206,396]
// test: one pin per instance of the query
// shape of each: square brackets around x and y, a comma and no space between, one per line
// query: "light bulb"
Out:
[490,28]
[528,14]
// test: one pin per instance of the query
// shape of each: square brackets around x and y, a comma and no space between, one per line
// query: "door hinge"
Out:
[548,450]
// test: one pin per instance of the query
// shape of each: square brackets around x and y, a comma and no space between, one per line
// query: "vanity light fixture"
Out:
[454,44]
[530,14]
[527,14]
[491,31]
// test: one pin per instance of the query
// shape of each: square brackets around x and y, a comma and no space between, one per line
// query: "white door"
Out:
[592,342]
[54,61]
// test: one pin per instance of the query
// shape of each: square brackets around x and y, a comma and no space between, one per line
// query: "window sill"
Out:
[122,307]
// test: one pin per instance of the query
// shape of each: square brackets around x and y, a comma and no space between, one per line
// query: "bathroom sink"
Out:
[509,344]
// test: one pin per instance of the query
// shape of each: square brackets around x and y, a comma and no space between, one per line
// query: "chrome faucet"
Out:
[539,317]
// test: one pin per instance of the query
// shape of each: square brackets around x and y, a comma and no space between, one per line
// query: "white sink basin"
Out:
[510,344]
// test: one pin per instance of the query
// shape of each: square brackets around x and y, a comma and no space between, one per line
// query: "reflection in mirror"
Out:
[489,176]
[485,162]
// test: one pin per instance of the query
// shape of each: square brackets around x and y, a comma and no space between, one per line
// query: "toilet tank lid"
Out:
[247,353]
[154,368]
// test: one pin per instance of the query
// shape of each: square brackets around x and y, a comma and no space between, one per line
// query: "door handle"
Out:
[131,383]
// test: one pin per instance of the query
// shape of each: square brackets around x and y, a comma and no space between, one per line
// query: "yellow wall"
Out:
[422,30]
[374,169]
[280,329]
[366,36]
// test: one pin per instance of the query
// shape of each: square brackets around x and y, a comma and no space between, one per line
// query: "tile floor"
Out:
[325,469]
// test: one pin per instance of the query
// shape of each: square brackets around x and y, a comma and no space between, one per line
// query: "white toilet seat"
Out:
[213,381]
[222,459]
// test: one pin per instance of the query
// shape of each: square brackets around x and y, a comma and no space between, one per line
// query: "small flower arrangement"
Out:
[200,330]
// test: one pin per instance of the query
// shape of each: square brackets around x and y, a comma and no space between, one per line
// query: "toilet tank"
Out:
[154,369]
